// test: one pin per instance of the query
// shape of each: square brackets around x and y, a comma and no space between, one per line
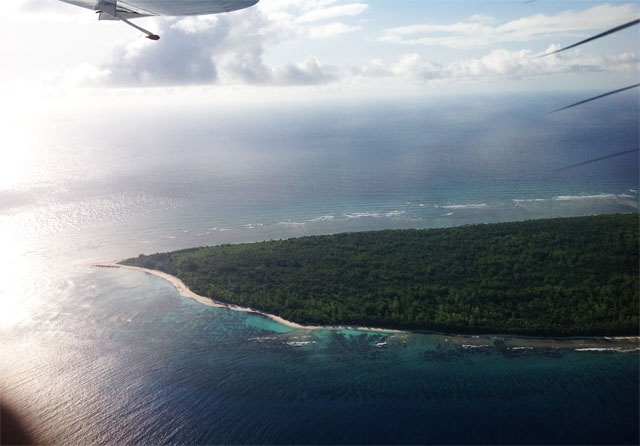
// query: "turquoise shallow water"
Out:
[95,355]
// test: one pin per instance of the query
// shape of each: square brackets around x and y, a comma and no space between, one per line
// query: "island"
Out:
[554,277]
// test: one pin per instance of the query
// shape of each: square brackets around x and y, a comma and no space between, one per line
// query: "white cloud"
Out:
[333,12]
[296,18]
[183,56]
[248,67]
[412,66]
[197,24]
[309,72]
[225,49]
[30,6]
[331,30]
[477,32]
[43,11]
[496,66]
[229,50]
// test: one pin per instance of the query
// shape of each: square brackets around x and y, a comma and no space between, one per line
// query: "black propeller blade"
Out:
[595,160]
[594,98]
[606,33]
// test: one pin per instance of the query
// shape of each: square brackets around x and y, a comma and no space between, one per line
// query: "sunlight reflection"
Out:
[15,303]
[16,152]
[25,264]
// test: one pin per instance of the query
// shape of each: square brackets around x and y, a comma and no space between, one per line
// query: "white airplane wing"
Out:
[187,7]
[109,10]
[130,9]
[164,7]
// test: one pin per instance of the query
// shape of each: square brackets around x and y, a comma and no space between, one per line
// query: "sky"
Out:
[288,50]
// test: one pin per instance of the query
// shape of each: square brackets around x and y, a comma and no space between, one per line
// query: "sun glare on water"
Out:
[16,150]
[14,308]
[18,157]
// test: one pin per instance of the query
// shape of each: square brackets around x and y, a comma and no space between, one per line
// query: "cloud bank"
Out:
[479,32]
[233,49]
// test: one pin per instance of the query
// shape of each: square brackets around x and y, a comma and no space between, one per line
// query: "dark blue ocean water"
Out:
[95,355]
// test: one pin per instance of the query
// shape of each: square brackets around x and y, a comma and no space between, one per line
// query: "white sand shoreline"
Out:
[186,292]
[605,343]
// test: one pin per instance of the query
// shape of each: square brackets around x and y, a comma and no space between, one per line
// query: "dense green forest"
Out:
[561,277]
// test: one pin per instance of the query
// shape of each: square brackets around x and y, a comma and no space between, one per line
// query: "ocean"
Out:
[112,356]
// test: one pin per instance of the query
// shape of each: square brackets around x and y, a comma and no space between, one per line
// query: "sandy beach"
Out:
[624,343]
[186,292]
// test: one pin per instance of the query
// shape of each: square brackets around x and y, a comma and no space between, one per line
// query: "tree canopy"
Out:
[560,277]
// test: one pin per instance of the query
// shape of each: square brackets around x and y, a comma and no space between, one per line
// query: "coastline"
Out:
[186,292]
[586,344]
